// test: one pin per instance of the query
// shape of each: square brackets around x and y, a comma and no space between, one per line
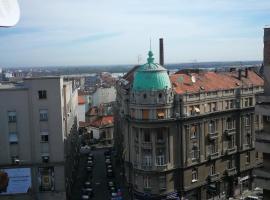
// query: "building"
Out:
[263,109]
[188,135]
[38,140]
[81,108]
[103,95]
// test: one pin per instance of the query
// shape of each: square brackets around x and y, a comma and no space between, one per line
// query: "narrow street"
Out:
[99,179]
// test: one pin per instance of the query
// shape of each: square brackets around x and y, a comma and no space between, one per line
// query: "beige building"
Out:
[262,135]
[188,135]
[38,140]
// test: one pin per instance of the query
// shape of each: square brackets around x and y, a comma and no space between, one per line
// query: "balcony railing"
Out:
[229,132]
[230,172]
[213,136]
[146,167]
[231,150]
[213,177]
[213,155]
[147,145]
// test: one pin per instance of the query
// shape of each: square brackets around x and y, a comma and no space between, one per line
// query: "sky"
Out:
[109,32]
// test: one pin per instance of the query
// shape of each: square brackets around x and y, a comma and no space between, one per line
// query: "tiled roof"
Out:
[81,100]
[103,121]
[211,81]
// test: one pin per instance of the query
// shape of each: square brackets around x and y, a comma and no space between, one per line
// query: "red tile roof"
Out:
[81,100]
[211,81]
[103,121]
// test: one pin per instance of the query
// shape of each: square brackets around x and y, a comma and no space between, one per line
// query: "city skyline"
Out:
[99,32]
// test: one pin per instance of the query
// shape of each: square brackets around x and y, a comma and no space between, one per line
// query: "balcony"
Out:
[146,145]
[147,167]
[161,167]
[231,150]
[213,136]
[262,177]
[262,99]
[213,177]
[213,156]
[229,132]
[262,141]
[231,172]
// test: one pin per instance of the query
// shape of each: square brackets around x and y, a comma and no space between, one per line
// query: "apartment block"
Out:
[38,140]
[188,135]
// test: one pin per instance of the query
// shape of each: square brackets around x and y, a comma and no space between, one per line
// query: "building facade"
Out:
[188,135]
[38,140]
[262,135]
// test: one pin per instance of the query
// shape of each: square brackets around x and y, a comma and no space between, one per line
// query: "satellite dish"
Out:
[9,13]
[193,79]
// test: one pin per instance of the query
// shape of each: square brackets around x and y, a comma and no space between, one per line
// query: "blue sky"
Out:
[103,32]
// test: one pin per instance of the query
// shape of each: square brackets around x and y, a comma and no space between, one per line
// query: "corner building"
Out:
[187,135]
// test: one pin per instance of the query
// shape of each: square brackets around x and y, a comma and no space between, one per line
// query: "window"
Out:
[231,104]
[230,163]
[213,169]
[250,101]
[162,182]
[248,139]
[194,152]
[212,126]
[230,123]
[145,114]
[214,146]
[12,116]
[132,113]
[160,95]
[194,130]
[13,137]
[247,157]
[247,120]
[146,182]
[43,115]
[46,178]
[147,160]
[246,102]
[136,134]
[231,142]
[144,96]
[194,175]
[42,94]
[146,134]
[214,106]
[257,155]
[44,138]
[160,136]
[160,160]
[160,113]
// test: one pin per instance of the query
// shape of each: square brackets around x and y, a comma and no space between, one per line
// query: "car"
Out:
[110,173]
[107,152]
[108,161]
[111,184]
[109,166]
[87,184]
[88,191]
[85,197]
[90,163]
[85,149]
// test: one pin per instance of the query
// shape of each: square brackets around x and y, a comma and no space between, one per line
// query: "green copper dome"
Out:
[151,76]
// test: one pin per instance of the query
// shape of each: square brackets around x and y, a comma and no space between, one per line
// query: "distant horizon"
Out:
[131,65]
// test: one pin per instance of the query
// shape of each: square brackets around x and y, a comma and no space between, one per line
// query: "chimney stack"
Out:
[246,72]
[266,59]
[161,52]
[240,74]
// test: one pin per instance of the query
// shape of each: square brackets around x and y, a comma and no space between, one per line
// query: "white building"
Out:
[38,126]
[103,95]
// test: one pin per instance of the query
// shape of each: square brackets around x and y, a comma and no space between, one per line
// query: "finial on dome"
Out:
[150,58]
